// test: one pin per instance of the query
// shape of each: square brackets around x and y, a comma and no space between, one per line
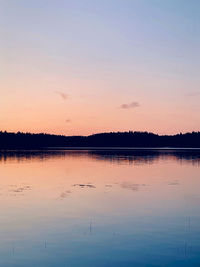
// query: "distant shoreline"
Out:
[103,149]
[122,148]
[113,140]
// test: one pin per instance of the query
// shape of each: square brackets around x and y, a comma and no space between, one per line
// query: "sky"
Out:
[78,67]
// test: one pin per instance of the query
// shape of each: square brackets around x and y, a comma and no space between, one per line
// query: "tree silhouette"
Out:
[113,139]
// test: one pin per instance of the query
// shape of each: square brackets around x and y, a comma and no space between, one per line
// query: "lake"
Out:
[100,208]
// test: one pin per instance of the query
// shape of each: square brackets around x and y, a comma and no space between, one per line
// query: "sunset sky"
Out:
[86,66]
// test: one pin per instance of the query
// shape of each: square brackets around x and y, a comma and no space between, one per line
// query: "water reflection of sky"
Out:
[100,208]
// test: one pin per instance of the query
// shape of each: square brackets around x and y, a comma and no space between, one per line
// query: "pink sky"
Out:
[69,68]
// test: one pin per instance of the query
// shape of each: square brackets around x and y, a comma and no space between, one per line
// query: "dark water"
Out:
[100,208]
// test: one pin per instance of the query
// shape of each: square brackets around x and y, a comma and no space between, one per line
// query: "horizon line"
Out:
[111,132]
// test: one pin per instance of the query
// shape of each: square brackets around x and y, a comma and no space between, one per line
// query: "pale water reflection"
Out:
[100,208]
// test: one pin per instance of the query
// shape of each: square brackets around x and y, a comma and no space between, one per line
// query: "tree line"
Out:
[9,140]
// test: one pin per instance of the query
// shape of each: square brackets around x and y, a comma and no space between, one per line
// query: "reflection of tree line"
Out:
[115,156]
[147,156]
[20,155]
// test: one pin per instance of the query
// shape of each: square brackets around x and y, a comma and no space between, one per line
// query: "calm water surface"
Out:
[100,208]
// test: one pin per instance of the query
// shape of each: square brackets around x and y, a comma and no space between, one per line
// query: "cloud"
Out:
[130,105]
[193,94]
[63,95]
[67,120]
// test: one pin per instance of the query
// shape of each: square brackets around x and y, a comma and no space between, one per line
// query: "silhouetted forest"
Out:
[113,139]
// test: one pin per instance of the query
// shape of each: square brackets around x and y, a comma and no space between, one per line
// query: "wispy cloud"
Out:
[130,105]
[63,95]
[193,94]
